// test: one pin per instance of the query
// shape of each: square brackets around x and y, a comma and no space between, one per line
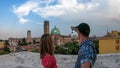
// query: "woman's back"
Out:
[49,61]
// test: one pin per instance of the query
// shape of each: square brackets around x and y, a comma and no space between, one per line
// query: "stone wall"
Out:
[103,61]
[32,60]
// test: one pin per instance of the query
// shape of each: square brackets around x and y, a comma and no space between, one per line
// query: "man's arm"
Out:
[85,65]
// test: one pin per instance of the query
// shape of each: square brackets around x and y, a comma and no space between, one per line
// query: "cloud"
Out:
[24,10]
[23,20]
[115,9]
[97,13]
[63,7]
[109,10]
[47,8]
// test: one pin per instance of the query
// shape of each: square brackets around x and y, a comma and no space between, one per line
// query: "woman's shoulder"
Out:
[48,56]
[46,60]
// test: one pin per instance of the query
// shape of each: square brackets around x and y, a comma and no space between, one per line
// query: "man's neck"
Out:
[83,38]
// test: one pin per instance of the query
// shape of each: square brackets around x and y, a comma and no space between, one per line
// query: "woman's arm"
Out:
[47,67]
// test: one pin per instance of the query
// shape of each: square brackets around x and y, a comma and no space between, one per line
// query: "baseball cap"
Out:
[83,28]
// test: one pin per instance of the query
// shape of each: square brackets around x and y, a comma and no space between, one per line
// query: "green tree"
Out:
[68,48]
[6,48]
[71,48]
[6,42]
[23,43]
[34,41]
[59,49]
[96,42]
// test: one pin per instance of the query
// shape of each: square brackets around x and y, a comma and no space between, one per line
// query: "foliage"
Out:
[96,42]
[59,49]
[19,43]
[6,42]
[34,41]
[4,52]
[23,43]
[29,43]
[36,50]
[6,49]
[68,48]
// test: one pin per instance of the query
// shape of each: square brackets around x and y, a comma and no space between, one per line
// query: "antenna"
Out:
[107,29]
[118,28]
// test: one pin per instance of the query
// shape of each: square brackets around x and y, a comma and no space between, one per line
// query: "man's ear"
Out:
[79,33]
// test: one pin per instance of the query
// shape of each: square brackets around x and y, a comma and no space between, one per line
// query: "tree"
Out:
[6,49]
[59,49]
[23,42]
[19,43]
[6,42]
[30,43]
[96,42]
[34,41]
[68,48]
[71,48]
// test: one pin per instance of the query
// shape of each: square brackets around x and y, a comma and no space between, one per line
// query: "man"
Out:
[87,52]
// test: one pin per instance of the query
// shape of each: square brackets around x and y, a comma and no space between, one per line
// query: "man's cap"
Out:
[83,28]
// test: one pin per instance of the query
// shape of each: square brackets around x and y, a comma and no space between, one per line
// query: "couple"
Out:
[86,54]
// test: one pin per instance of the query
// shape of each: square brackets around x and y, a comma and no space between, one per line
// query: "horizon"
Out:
[19,16]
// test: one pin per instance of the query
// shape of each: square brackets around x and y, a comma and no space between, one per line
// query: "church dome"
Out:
[55,30]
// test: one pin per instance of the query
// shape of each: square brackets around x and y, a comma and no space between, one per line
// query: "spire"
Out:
[107,29]
[119,28]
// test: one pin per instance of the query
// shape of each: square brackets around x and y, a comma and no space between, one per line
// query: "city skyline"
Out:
[19,16]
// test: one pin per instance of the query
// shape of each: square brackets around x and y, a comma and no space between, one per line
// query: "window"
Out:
[117,47]
[117,41]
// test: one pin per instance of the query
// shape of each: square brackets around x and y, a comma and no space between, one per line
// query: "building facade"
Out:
[113,33]
[110,43]
[28,40]
[57,37]
[2,45]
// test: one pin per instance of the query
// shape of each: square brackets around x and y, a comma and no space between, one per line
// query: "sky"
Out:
[19,16]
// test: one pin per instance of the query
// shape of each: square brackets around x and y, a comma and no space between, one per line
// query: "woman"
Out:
[48,59]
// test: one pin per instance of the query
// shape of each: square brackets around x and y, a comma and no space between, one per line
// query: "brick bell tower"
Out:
[46,27]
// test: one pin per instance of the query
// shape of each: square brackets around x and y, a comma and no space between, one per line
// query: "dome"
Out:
[55,30]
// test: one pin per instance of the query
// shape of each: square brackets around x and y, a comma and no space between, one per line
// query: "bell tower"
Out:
[46,27]
[29,37]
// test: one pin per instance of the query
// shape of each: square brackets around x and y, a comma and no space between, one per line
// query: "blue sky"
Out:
[18,16]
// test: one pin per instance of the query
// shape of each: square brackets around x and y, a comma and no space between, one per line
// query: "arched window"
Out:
[117,47]
[117,41]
